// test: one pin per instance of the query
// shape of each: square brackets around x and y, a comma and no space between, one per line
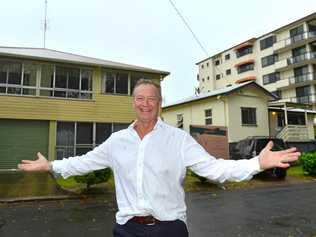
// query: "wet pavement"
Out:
[279,211]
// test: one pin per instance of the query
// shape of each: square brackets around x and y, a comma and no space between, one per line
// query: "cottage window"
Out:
[208,116]
[248,116]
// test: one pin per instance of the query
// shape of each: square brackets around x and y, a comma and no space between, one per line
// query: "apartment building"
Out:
[283,61]
[62,104]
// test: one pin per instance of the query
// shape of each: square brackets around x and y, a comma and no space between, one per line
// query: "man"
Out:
[149,161]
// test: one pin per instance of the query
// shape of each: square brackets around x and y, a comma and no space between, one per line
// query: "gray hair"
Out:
[148,82]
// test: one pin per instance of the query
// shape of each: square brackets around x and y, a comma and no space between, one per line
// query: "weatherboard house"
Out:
[62,104]
[241,110]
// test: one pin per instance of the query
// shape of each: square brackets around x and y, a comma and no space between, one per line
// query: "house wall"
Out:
[226,112]
[247,98]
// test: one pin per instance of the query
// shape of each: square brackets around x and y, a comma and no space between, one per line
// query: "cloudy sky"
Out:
[147,32]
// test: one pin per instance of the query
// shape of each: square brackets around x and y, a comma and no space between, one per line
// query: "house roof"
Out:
[59,56]
[222,91]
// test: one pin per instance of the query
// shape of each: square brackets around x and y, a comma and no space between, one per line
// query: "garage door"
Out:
[21,139]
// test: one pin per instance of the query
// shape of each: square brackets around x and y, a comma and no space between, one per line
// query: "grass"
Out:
[296,171]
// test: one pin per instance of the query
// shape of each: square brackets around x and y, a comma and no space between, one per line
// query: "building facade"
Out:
[62,104]
[283,61]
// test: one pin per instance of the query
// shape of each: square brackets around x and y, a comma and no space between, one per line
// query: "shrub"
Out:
[308,162]
[95,177]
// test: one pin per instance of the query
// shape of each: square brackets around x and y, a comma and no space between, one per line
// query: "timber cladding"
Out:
[214,139]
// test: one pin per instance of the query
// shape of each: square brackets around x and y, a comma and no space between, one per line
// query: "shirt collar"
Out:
[158,124]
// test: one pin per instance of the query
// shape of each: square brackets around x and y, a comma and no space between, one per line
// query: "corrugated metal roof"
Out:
[58,56]
[217,92]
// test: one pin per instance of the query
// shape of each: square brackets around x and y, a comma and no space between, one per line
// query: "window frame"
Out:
[208,116]
[248,116]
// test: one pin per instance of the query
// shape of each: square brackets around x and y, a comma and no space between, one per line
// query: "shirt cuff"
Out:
[255,164]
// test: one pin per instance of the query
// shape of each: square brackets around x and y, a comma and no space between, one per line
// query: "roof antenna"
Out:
[45,24]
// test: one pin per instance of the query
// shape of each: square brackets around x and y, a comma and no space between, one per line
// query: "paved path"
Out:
[280,211]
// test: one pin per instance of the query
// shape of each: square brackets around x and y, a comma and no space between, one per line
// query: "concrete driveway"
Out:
[279,211]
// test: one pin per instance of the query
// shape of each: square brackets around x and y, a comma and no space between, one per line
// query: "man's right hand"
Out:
[41,164]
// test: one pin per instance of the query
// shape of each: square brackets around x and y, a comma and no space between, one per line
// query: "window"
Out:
[267,42]
[303,94]
[244,51]
[245,67]
[270,78]
[217,62]
[228,71]
[248,116]
[20,78]
[197,77]
[180,121]
[207,64]
[103,131]
[269,60]
[301,74]
[218,76]
[227,56]
[202,66]
[208,78]
[77,138]
[117,82]
[277,93]
[208,116]
[297,34]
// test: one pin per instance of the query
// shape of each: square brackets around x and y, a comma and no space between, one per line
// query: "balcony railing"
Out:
[302,57]
[302,78]
[300,37]
[305,99]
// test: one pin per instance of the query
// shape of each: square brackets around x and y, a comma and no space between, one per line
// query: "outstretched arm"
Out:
[40,164]
[270,159]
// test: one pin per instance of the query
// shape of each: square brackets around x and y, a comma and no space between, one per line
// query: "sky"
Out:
[147,33]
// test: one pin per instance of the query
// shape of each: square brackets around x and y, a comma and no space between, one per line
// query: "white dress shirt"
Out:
[149,173]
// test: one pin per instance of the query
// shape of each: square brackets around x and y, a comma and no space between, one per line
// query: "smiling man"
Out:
[149,161]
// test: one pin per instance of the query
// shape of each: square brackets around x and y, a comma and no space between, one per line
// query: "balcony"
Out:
[294,41]
[285,64]
[301,58]
[302,78]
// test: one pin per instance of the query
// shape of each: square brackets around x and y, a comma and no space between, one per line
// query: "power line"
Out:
[189,28]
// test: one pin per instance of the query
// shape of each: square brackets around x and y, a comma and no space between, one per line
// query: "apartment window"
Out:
[77,138]
[301,74]
[270,78]
[303,94]
[297,34]
[180,121]
[228,71]
[197,77]
[299,51]
[277,93]
[208,78]
[208,116]
[267,42]
[207,64]
[244,51]
[202,66]
[245,67]
[227,56]
[218,76]
[248,116]
[217,62]
[203,79]
[269,60]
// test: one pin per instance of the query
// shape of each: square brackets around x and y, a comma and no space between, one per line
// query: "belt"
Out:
[145,220]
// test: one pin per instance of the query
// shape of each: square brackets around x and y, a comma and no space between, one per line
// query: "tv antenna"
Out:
[45,24]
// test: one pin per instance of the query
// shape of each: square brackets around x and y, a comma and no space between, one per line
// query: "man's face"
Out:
[146,103]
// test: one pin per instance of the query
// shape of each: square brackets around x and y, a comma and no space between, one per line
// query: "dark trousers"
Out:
[164,229]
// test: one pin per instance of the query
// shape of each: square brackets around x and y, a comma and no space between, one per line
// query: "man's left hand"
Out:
[270,159]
